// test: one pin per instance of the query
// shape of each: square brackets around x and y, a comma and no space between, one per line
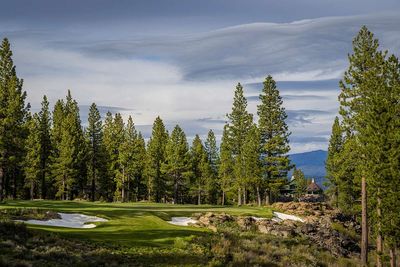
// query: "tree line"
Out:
[50,155]
[363,165]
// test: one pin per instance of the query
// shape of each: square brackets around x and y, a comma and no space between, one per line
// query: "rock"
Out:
[245,223]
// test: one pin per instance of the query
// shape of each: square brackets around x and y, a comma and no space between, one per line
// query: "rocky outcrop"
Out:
[317,225]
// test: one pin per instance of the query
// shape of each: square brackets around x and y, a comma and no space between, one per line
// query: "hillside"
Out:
[312,164]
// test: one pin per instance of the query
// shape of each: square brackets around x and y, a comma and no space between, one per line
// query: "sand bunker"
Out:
[70,220]
[278,216]
[182,221]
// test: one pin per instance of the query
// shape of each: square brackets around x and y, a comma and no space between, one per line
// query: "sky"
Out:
[181,60]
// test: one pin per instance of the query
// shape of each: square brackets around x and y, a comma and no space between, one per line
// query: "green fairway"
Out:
[131,224]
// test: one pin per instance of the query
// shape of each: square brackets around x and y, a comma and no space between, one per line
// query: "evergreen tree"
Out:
[252,162]
[211,149]
[114,146]
[274,137]
[69,161]
[55,140]
[32,164]
[94,136]
[13,130]
[155,157]
[197,154]
[225,171]
[128,160]
[363,109]
[44,127]
[331,164]
[240,122]
[177,164]
[300,183]
[139,167]
[107,181]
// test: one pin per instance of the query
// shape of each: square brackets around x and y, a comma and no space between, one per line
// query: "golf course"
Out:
[131,224]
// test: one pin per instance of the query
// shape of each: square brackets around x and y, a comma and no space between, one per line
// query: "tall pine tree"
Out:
[331,165]
[177,164]
[225,170]
[13,130]
[211,149]
[32,163]
[240,122]
[44,127]
[274,138]
[155,157]
[96,151]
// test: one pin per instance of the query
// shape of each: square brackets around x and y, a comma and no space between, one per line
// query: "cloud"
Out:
[190,78]
[304,50]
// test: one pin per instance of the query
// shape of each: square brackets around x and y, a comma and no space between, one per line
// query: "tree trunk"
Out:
[379,245]
[93,189]
[32,189]
[15,184]
[1,183]
[223,198]
[199,197]
[364,223]
[258,196]
[239,197]
[244,196]
[43,191]
[176,190]
[393,257]
[267,198]
[123,185]
[63,186]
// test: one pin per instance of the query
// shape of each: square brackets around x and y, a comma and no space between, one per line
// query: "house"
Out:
[314,189]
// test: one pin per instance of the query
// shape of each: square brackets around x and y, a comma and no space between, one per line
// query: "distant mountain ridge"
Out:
[312,164]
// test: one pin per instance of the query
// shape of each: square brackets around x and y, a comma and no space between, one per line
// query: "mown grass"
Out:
[131,224]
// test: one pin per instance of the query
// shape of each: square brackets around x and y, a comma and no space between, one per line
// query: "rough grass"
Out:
[131,224]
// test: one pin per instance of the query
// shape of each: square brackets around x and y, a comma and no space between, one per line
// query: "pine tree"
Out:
[155,157]
[197,153]
[13,130]
[55,140]
[177,164]
[225,170]
[139,166]
[361,105]
[211,149]
[106,183]
[32,163]
[44,127]
[300,183]
[252,162]
[331,164]
[274,137]
[94,136]
[114,148]
[391,196]
[127,160]
[69,161]
[240,122]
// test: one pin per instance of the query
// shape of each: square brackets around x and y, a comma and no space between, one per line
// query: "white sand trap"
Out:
[70,220]
[278,217]
[182,221]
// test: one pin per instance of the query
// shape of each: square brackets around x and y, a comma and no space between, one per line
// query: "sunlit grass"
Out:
[132,224]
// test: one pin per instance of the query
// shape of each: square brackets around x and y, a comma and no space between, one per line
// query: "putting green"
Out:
[131,224]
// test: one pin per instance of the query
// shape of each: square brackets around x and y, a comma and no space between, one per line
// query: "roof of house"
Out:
[313,187]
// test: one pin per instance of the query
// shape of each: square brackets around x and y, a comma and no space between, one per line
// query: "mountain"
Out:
[312,164]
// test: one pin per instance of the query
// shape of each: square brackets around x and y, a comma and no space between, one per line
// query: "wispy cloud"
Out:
[189,78]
